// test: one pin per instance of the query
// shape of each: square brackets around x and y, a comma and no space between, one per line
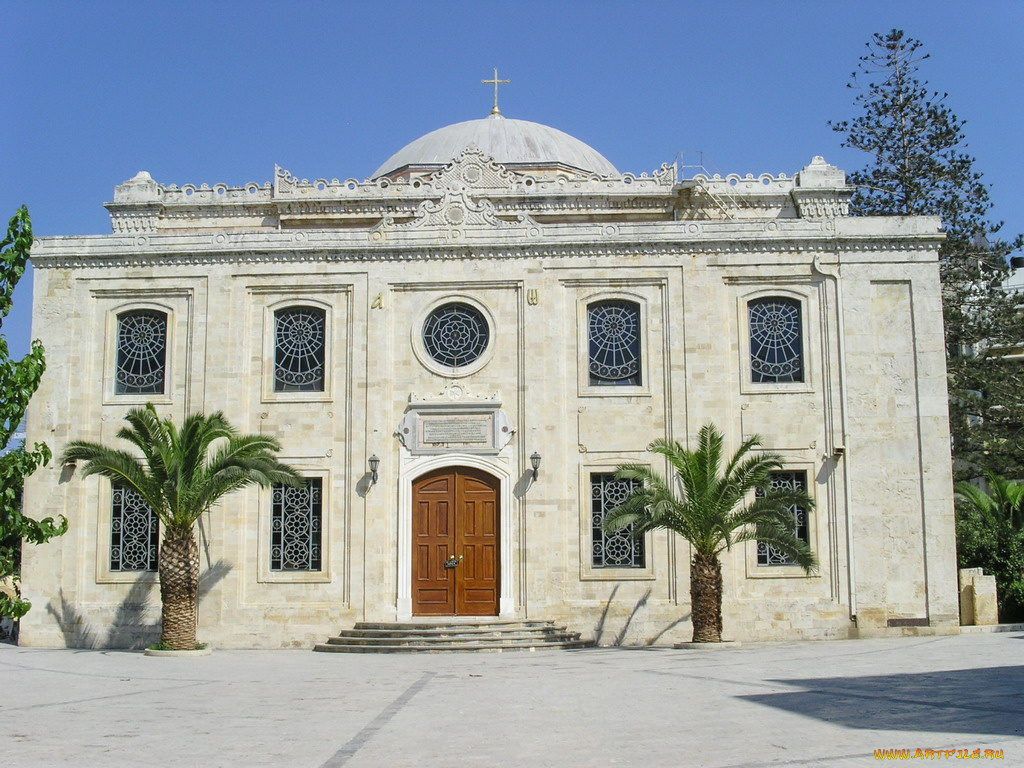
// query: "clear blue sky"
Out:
[211,92]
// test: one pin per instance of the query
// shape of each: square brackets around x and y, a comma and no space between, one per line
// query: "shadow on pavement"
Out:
[987,700]
[130,628]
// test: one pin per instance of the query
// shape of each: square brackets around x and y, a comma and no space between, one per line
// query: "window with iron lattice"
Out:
[296,526]
[613,336]
[141,353]
[619,549]
[455,334]
[776,341]
[792,481]
[134,531]
[299,343]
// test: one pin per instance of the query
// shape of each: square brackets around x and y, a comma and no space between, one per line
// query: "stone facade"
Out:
[529,246]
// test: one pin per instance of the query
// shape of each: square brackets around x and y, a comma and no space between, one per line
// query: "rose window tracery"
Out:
[455,335]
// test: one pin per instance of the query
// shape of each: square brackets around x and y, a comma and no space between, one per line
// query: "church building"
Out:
[457,353]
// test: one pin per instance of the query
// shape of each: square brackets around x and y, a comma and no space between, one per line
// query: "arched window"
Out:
[299,342]
[614,343]
[141,352]
[776,341]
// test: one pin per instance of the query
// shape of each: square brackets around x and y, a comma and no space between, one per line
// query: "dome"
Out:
[509,142]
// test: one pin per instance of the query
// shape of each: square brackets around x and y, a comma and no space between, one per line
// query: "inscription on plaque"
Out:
[472,431]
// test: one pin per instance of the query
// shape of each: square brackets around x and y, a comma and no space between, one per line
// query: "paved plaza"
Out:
[828,703]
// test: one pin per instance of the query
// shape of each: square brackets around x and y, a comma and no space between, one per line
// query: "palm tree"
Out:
[717,509]
[990,535]
[1005,504]
[180,476]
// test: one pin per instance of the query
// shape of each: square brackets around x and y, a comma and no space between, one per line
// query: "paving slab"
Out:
[778,704]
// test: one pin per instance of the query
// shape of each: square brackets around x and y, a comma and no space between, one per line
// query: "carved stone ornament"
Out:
[455,421]
[475,170]
[457,210]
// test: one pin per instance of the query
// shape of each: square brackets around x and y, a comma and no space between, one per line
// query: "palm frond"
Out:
[783,539]
[710,512]
[119,466]
[198,433]
[181,472]
[145,431]
[1004,503]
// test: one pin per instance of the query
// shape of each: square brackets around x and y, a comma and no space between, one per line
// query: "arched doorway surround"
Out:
[422,466]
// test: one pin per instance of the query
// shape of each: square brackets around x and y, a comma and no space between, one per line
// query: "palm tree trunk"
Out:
[179,587]
[706,598]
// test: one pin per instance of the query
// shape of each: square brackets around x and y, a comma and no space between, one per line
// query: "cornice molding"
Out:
[118,251]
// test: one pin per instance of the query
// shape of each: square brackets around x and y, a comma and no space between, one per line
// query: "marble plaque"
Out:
[457,430]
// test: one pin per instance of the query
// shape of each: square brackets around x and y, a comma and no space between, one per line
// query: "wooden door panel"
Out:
[455,513]
[433,586]
[476,527]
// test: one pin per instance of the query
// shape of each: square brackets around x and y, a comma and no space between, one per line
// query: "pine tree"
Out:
[919,167]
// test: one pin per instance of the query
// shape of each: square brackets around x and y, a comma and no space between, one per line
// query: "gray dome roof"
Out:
[507,141]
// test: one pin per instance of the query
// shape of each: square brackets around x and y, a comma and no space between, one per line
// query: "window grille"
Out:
[295,528]
[614,343]
[776,341]
[619,549]
[299,334]
[134,531]
[455,335]
[141,353]
[791,481]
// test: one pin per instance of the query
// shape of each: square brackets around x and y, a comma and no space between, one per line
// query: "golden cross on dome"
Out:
[495,82]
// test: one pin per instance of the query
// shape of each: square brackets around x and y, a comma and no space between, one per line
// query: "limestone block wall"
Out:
[867,426]
[898,456]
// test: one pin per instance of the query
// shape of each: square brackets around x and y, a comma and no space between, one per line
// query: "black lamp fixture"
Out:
[535,463]
[374,463]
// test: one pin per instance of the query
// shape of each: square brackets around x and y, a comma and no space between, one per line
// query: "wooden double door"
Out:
[455,543]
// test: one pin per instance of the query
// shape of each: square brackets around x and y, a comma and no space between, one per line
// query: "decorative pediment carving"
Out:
[472,169]
[453,393]
[456,210]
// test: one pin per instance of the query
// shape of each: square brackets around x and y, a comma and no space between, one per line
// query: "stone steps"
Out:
[451,636]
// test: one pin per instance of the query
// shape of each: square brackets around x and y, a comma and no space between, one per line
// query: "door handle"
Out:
[453,562]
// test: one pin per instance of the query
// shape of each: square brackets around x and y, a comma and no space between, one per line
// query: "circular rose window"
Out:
[455,335]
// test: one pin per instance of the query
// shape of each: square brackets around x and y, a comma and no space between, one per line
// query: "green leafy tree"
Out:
[18,382]
[719,506]
[182,474]
[990,535]
[918,166]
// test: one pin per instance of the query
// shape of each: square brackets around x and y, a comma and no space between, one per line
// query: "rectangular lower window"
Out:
[789,480]
[134,531]
[619,549]
[295,528]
